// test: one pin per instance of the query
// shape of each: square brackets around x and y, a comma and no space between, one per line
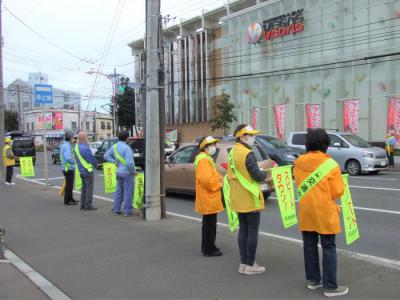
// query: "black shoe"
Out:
[215,253]
[90,208]
[71,203]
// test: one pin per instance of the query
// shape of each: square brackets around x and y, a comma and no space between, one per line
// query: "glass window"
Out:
[299,139]
[184,156]
[356,141]
[27,126]
[11,105]
[73,125]
[105,146]
[335,139]
[276,143]
[25,104]
[108,125]
[103,125]
[87,125]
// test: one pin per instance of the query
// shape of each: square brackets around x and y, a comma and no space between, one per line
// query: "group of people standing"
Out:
[318,212]
[79,158]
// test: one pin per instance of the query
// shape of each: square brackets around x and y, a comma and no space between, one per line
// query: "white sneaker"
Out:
[254,269]
[340,291]
[242,267]
[12,183]
[7,183]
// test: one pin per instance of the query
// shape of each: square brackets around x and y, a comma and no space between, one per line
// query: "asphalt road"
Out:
[375,197]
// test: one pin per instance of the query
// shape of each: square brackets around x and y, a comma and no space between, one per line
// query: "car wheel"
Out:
[353,167]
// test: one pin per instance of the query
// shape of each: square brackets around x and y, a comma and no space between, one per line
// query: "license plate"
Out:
[383,163]
[264,187]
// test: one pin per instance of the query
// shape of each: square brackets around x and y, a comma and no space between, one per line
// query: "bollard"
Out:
[2,233]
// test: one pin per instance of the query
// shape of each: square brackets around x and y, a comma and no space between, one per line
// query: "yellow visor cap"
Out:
[207,141]
[246,130]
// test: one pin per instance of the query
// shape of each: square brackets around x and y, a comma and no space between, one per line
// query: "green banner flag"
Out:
[138,195]
[283,182]
[110,178]
[78,179]
[26,164]
[232,215]
[349,216]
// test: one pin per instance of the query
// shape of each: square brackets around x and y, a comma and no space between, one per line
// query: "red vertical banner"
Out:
[313,115]
[58,120]
[255,116]
[280,118]
[351,115]
[393,122]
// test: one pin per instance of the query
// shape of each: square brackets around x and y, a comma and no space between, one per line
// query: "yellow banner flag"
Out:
[26,164]
[283,182]
[138,195]
[110,178]
[349,216]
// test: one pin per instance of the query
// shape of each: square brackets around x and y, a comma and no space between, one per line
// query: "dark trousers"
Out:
[329,258]
[69,185]
[208,233]
[87,189]
[9,173]
[249,224]
[391,159]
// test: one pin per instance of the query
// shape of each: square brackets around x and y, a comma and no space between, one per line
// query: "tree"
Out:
[223,115]
[11,120]
[126,108]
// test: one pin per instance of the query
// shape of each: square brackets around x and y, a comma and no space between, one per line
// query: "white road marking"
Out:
[54,178]
[373,188]
[389,263]
[375,178]
[42,283]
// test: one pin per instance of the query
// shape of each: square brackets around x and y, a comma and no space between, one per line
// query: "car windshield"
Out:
[276,143]
[356,141]
[23,143]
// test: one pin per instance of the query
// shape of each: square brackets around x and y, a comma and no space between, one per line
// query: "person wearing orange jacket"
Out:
[319,184]
[208,194]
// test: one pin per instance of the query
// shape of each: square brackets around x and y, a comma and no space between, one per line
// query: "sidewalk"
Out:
[100,256]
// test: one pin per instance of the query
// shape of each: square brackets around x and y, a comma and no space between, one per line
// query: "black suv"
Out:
[137,146]
[24,146]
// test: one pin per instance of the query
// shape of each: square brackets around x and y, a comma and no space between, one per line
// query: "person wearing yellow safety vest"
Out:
[208,194]
[319,184]
[68,168]
[85,162]
[245,177]
[389,147]
[8,161]
[122,155]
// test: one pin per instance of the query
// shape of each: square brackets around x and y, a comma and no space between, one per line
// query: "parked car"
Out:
[24,146]
[180,171]
[94,146]
[275,148]
[137,145]
[353,154]
[55,155]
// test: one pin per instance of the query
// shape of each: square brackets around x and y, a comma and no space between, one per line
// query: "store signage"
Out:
[351,115]
[393,121]
[313,115]
[286,24]
[280,118]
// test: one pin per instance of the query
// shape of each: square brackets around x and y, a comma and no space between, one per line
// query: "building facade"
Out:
[58,121]
[289,54]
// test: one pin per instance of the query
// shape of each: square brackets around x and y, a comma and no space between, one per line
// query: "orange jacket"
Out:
[317,209]
[208,188]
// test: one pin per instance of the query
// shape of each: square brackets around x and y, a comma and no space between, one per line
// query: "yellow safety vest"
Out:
[7,161]
[83,162]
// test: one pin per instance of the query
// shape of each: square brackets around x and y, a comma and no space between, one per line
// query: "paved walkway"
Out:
[95,255]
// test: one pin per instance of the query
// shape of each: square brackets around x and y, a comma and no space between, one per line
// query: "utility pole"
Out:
[2,123]
[161,83]
[152,138]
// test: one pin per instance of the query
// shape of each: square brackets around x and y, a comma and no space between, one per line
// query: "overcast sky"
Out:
[78,30]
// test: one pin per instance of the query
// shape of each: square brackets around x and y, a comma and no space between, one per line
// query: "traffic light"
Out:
[123,83]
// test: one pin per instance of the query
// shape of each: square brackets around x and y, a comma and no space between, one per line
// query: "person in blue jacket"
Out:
[122,155]
[68,168]
[86,163]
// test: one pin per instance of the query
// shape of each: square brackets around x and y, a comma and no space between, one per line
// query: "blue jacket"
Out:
[126,152]
[87,155]
[66,156]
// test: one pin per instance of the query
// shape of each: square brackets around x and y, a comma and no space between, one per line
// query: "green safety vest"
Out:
[118,156]
[252,187]
[83,162]
[315,177]
[201,156]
